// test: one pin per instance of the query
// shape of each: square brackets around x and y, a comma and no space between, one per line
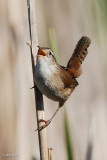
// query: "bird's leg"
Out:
[49,121]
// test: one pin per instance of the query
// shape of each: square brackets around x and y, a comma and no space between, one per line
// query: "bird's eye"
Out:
[50,53]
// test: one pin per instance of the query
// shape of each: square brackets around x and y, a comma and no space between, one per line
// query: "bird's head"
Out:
[46,54]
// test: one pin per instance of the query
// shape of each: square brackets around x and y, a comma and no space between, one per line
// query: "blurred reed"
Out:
[69,146]
[53,43]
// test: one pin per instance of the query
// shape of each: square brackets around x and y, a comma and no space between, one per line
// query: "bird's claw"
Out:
[44,126]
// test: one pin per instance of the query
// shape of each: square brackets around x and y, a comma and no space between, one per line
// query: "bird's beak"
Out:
[41,52]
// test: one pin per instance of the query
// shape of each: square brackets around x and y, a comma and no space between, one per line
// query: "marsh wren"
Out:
[55,81]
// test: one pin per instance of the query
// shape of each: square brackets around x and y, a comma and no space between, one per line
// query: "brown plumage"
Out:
[73,70]
[55,81]
[78,56]
[68,80]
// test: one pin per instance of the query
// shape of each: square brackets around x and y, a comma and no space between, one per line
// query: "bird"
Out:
[55,81]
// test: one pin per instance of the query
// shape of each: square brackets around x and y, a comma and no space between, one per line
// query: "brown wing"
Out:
[68,80]
[80,52]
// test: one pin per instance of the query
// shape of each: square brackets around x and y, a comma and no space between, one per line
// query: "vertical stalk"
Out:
[37,93]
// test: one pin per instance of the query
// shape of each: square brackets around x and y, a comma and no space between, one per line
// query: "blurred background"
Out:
[83,119]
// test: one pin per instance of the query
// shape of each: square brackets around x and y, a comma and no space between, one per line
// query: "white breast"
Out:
[45,81]
[44,70]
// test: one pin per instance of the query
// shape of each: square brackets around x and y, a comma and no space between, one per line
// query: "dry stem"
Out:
[38,94]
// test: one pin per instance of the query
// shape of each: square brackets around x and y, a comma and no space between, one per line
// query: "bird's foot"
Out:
[45,125]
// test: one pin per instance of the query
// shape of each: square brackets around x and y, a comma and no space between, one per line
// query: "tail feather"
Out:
[78,56]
